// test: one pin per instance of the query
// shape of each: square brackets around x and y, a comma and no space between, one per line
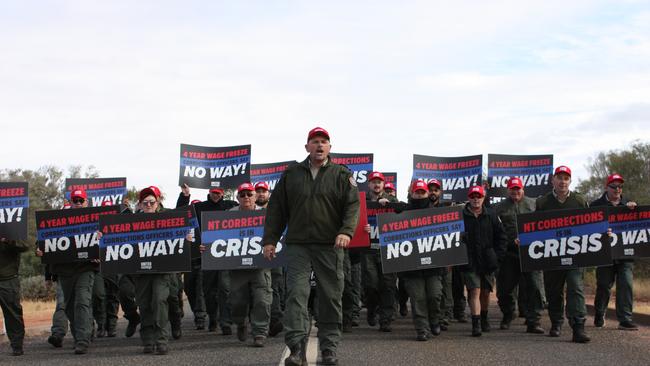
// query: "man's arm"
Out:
[350,206]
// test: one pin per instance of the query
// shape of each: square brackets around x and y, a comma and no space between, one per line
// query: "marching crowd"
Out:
[317,202]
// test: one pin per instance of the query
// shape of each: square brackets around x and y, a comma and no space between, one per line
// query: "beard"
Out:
[261,202]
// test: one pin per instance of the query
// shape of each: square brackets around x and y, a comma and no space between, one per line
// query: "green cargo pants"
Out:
[77,293]
[507,282]
[447,299]
[380,288]
[251,295]
[13,311]
[99,301]
[327,263]
[279,291]
[621,272]
[425,292]
[554,282]
[151,293]
[59,319]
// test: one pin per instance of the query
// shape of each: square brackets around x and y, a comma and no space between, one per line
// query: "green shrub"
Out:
[34,288]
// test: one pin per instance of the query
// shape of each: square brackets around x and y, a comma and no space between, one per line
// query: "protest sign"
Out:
[457,174]
[146,242]
[359,164]
[14,204]
[374,208]
[361,239]
[233,240]
[630,231]
[70,235]
[563,239]
[269,173]
[421,239]
[99,190]
[535,172]
[214,167]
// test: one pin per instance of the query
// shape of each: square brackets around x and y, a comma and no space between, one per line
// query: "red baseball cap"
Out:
[66,206]
[434,181]
[245,187]
[261,185]
[107,203]
[78,193]
[216,190]
[562,169]
[194,202]
[317,131]
[476,189]
[515,182]
[389,186]
[419,185]
[615,177]
[376,175]
[149,191]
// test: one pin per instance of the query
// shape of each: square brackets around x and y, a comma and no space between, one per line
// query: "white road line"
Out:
[312,348]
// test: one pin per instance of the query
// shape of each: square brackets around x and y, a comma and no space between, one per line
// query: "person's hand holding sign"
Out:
[269,251]
[342,241]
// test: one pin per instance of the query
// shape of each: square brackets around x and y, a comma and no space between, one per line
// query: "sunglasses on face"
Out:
[246,194]
[78,201]
[615,186]
[148,203]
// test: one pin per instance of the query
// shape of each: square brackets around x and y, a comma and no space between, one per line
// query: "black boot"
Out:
[485,324]
[579,335]
[505,322]
[476,326]
[556,330]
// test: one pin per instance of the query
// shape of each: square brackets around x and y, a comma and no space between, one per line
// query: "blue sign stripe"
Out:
[521,170]
[210,236]
[578,230]
[123,238]
[11,202]
[619,227]
[420,173]
[411,234]
[215,163]
[68,230]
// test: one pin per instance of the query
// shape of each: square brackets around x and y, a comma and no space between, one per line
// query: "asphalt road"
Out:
[364,346]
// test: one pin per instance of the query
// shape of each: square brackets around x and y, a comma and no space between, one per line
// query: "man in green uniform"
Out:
[380,288]
[620,272]
[509,274]
[319,202]
[554,281]
[250,289]
[77,282]
[10,251]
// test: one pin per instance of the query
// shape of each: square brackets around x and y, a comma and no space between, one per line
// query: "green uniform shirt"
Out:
[10,258]
[316,209]
[549,202]
[507,210]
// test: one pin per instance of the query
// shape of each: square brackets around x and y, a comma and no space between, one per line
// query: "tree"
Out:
[633,164]
[46,187]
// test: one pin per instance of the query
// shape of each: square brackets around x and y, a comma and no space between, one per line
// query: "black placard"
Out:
[208,167]
[269,173]
[146,242]
[14,206]
[359,164]
[70,235]
[457,174]
[233,240]
[99,190]
[535,171]
[373,209]
[420,239]
[630,231]
[563,239]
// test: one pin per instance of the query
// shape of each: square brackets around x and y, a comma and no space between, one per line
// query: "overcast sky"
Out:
[121,84]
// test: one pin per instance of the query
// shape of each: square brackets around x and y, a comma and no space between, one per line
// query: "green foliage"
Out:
[633,164]
[46,187]
[36,289]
